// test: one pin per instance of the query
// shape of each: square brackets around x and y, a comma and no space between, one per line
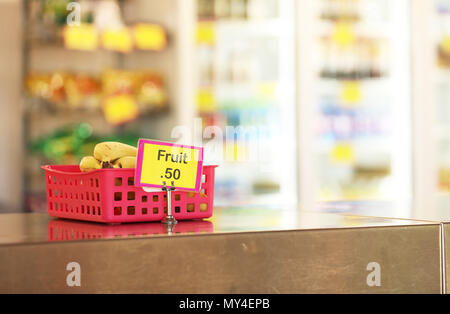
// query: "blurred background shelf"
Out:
[107,93]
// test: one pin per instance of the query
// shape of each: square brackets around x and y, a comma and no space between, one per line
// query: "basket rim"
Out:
[51,169]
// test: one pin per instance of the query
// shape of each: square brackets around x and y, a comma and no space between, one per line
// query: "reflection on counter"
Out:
[250,219]
[67,230]
[397,210]
[41,228]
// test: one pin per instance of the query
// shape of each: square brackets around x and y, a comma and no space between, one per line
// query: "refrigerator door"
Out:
[246,100]
[358,102]
[441,39]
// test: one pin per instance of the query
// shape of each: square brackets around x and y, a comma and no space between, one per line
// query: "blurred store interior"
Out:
[312,104]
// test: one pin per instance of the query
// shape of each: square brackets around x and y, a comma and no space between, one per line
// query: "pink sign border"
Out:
[140,156]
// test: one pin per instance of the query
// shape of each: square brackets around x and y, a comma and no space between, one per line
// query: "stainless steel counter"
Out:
[439,214]
[239,250]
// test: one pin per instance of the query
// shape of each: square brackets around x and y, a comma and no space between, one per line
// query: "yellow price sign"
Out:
[206,101]
[343,153]
[82,37]
[149,37]
[267,90]
[120,109]
[161,164]
[117,40]
[446,44]
[206,33]
[344,34]
[351,93]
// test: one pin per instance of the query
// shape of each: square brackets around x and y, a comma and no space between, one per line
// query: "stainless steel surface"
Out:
[36,228]
[241,250]
[401,209]
[446,256]
[438,214]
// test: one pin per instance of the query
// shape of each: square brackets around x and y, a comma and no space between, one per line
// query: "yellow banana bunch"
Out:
[109,152]
[125,162]
[110,155]
[89,163]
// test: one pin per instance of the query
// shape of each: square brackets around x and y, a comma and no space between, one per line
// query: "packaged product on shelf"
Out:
[101,25]
[149,37]
[444,178]
[444,51]
[205,9]
[340,10]
[83,37]
[117,39]
[49,18]
[363,58]
[443,48]
[207,71]
[118,92]
[238,9]
[379,58]
[107,15]
[328,62]
[65,145]
[57,88]
[147,87]
[83,91]
[262,9]
[64,90]
[115,82]
[151,93]
[49,87]
[38,85]
[222,9]
[120,109]
[54,11]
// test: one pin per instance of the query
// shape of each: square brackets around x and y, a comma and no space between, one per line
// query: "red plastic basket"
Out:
[109,196]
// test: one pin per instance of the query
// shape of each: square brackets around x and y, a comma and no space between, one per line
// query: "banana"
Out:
[109,152]
[89,163]
[203,207]
[125,162]
[192,194]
